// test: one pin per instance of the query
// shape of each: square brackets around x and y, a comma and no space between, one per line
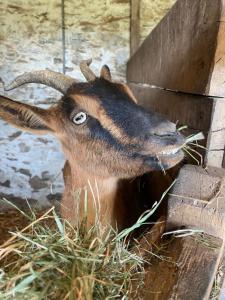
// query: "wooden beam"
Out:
[134,25]
[197,200]
[191,110]
[185,51]
[199,113]
[216,137]
[186,270]
[216,85]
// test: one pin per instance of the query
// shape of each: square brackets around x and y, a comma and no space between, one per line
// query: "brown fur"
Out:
[100,169]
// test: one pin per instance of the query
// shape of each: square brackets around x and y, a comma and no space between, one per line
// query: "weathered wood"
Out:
[187,273]
[216,137]
[216,84]
[152,238]
[191,110]
[185,51]
[134,25]
[197,112]
[197,200]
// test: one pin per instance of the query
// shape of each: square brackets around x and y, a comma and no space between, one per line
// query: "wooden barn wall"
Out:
[31,38]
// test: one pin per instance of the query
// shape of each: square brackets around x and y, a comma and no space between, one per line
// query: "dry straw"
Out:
[51,259]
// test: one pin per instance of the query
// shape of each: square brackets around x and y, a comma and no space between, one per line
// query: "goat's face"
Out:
[102,129]
[106,132]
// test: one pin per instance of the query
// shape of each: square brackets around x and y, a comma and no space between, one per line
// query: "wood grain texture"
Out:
[216,84]
[186,52]
[31,39]
[187,270]
[191,110]
[197,200]
[134,26]
[198,113]
[179,53]
[216,138]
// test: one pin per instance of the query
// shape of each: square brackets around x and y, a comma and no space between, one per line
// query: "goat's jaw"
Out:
[171,151]
[165,160]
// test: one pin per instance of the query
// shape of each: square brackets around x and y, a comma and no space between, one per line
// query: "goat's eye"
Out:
[79,118]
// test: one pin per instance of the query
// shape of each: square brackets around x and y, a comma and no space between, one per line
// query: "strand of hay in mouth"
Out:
[191,141]
[51,259]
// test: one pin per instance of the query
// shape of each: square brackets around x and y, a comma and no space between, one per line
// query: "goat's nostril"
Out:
[166,134]
[165,129]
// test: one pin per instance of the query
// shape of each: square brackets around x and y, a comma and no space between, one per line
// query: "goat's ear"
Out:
[105,73]
[24,116]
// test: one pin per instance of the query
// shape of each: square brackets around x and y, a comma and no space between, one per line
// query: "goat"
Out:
[107,139]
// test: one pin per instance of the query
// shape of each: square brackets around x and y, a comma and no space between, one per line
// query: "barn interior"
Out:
[172,56]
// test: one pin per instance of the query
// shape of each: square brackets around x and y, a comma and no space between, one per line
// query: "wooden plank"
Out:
[134,26]
[187,270]
[186,52]
[191,110]
[216,84]
[194,111]
[199,113]
[182,52]
[216,137]
[197,200]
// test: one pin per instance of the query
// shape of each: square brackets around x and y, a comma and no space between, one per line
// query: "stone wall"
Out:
[31,39]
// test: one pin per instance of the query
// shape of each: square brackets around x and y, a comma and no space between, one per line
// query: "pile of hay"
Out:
[50,259]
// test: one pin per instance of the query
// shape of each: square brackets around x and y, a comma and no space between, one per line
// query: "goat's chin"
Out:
[163,162]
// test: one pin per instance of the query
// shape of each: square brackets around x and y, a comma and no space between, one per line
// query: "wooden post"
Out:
[134,25]
[187,270]
[186,52]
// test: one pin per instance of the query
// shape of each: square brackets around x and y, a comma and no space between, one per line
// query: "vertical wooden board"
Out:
[179,52]
[216,137]
[186,109]
[97,29]
[134,26]
[216,84]
[30,40]
[186,271]
[197,200]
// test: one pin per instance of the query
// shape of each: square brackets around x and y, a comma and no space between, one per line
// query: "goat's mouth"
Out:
[165,159]
[170,152]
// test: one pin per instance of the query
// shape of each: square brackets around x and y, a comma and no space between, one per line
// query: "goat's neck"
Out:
[111,198]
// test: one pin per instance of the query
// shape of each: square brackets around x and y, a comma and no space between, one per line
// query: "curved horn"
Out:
[56,80]
[86,71]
